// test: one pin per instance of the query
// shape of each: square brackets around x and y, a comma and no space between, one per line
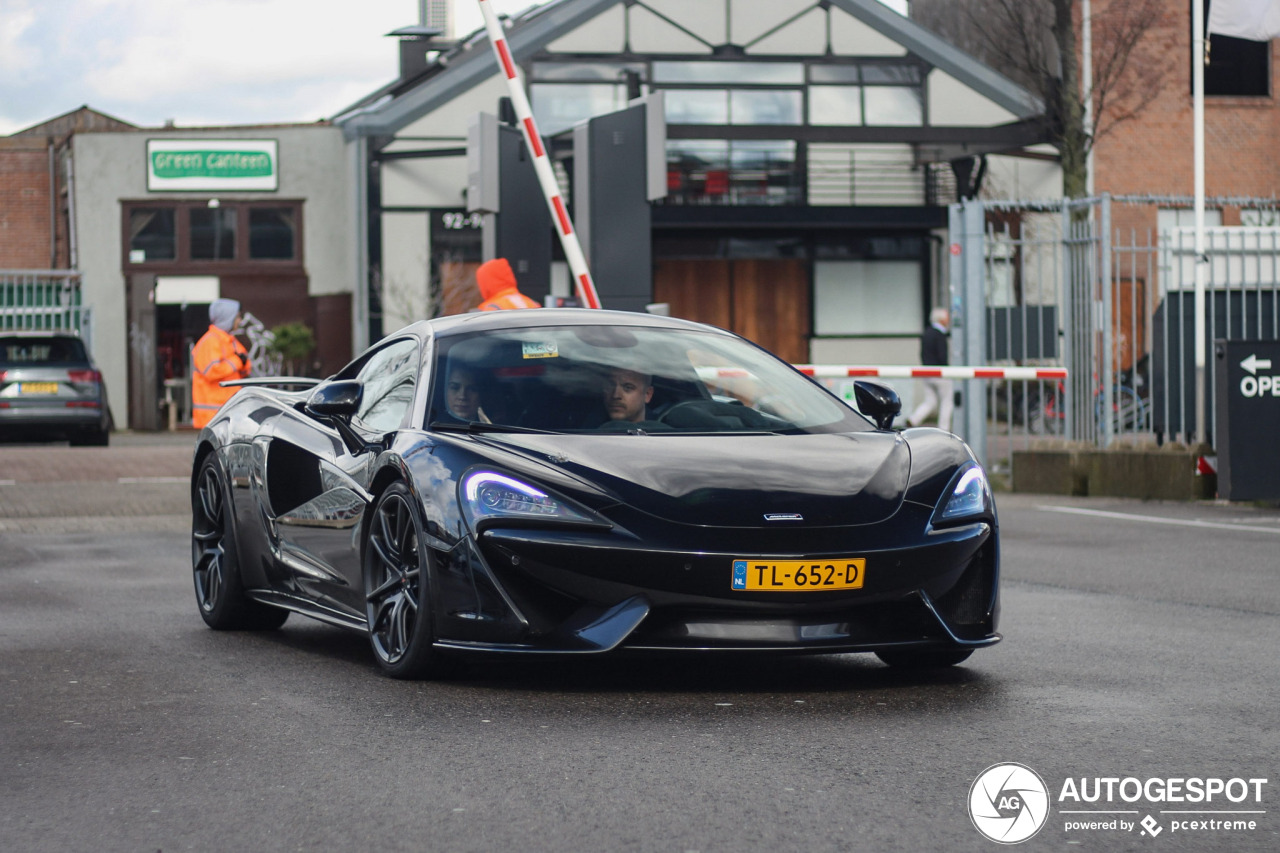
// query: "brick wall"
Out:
[24,204]
[1153,153]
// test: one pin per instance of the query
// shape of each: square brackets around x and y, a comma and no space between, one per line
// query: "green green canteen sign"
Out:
[212,164]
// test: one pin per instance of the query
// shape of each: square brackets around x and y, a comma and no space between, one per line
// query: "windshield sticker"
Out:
[534,350]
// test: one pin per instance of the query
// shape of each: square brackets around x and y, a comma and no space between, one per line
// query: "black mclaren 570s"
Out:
[562,481]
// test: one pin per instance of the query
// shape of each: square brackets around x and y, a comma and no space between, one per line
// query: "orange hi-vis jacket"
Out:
[497,285]
[217,357]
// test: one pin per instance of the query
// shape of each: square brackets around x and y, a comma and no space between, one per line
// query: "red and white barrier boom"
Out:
[899,371]
[546,177]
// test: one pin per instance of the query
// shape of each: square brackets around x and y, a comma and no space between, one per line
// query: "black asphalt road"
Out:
[1141,641]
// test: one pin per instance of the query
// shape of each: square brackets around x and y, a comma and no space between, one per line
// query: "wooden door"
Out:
[771,306]
[696,290]
[766,301]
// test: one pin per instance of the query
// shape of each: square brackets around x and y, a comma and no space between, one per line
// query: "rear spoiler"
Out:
[268,381]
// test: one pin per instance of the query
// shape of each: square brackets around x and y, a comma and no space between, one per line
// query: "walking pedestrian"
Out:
[937,391]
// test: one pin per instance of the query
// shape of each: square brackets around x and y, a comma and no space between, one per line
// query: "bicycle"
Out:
[1129,411]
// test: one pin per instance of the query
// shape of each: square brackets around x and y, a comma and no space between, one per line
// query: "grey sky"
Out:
[204,62]
[201,63]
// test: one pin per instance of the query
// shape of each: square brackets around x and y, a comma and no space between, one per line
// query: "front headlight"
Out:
[968,496]
[488,496]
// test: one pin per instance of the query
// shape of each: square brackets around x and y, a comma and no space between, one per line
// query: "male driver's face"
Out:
[625,394]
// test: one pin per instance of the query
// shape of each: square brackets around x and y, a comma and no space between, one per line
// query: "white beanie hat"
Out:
[222,313]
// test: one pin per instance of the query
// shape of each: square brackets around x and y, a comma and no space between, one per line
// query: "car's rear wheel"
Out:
[219,590]
[91,437]
[923,658]
[397,586]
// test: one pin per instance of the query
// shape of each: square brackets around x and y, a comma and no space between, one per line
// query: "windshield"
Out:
[625,379]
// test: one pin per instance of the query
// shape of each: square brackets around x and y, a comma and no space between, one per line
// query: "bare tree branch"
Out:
[1035,44]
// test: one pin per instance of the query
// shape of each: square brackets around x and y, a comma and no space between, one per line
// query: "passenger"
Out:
[462,395]
[627,394]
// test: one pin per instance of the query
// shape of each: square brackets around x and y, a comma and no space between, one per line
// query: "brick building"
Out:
[1152,154]
[150,248]
[33,189]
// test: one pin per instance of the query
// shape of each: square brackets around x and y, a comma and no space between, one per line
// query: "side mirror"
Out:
[878,402]
[335,399]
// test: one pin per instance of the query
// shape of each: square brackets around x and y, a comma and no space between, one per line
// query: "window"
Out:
[893,106]
[152,235]
[719,171]
[388,378]
[697,106]
[867,297]
[213,233]
[559,106]
[1237,67]
[764,106]
[835,105]
[271,232]
[175,237]
[737,73]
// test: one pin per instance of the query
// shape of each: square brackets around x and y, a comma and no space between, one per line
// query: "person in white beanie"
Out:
[217,357]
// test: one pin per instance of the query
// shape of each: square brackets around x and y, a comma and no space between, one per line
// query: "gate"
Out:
[1055,284]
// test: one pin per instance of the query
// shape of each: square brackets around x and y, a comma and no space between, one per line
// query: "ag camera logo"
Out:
[1008,803]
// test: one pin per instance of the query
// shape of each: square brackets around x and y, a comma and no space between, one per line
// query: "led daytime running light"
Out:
[968,498]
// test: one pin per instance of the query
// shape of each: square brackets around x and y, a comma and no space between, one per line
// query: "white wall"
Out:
[953,104]
[110,168]
[406,255]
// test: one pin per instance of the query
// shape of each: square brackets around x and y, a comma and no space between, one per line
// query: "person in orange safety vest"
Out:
[217,357]
[497,285]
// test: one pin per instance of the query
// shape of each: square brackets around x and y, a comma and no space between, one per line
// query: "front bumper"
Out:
[556,592]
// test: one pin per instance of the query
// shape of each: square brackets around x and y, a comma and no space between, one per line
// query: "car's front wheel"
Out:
[219,592]
[397,586]
[923,658]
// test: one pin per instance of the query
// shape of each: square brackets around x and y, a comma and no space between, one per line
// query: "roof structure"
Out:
[470,62]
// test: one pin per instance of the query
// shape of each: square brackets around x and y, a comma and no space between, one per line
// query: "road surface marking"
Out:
[1124,516]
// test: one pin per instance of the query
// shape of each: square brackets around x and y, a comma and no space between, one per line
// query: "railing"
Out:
[43,300]
[867,175]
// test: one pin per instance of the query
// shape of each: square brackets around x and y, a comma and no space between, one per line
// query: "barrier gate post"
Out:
[967,224]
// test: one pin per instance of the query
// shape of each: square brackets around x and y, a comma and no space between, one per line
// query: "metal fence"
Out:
[44,300]
[1055,284]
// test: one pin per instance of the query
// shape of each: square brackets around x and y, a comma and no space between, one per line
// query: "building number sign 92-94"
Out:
[454,221]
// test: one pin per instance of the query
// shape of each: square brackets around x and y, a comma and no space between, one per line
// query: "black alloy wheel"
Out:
[219,593]
[397,585]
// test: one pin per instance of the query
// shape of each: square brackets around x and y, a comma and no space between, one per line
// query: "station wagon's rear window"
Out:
[51,350]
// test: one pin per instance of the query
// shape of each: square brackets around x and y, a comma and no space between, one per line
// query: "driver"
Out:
[626,394]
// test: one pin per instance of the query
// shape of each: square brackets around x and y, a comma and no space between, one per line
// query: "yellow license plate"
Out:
[38,388]
[798,575]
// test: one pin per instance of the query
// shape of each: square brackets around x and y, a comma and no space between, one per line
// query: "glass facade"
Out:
[721,171]
[738,94]
[559,106]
